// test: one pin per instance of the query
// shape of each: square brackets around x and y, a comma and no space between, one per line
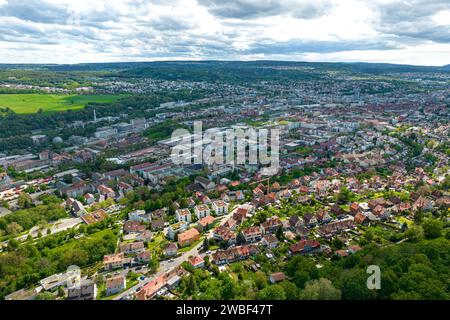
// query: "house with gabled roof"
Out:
[115,284]
[271,225]
[270,241]
[113,261]
[305,246]
[252,234]
[361,218]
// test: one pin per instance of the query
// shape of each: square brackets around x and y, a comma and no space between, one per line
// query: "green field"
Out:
[31,103]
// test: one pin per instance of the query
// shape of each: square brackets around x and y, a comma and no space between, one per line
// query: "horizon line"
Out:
[219,60]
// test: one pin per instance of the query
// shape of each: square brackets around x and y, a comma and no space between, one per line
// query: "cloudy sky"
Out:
[67,31]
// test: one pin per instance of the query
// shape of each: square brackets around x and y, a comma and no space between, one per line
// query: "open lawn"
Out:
[31,103]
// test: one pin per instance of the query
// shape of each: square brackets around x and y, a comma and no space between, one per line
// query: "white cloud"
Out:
[401,31]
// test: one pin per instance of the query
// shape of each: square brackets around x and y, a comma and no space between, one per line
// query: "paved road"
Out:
[165,266]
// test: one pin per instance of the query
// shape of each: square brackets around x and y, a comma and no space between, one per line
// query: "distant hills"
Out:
[233,71]
[356,66]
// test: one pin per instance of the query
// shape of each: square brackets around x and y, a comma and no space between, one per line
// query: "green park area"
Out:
[31,103]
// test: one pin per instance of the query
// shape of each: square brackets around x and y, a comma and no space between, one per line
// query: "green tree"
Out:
[153,265]
[300,278]
[228,286]
[290,289]
[24,201]
[13,228]
[272,292]
[279,234]
[192,284]
[260,280]
[240,238]
[432,228]
[321,289]
[415,233]
[206,244]
[45,296]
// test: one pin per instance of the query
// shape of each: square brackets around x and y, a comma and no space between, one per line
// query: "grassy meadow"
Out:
[31,103]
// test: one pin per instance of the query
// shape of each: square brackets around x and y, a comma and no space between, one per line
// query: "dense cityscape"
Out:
[87,180]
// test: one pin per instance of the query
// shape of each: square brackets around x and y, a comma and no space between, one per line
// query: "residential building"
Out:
[201,211]
[183,215]
[132,248]
[113,261]
[115,285]
[196,261]
[188,237]
[171,250]
[252,234]
[140,216]
[270,241]
[305,246]
[87,291]
[277,277]
[176,228]
[205,223]
[220,207]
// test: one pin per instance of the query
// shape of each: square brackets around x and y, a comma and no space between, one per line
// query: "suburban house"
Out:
[183,215]
[133,227]
[89,198]
[252,234]
[113,261]
[310,220]
[277,277]
[423,204]
[140,216]
[124,187]
[87,291]
[270,241]
[176,228]
[143,257]
[105,191]
[271,224]
[77,208]
[295,221]
[240,214]
[115,285]
[157,224]
[132,248]
[220,207]
[201,211]
[145,236]
[171,250]
[196,261]
[361,218]
[76,190]
[323,217]
[234,254]
[94,217]
[150,289]
[305,246]
[188,237]
[354,208]
[205,223]
[336,227]
[225,234]
[206,200]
